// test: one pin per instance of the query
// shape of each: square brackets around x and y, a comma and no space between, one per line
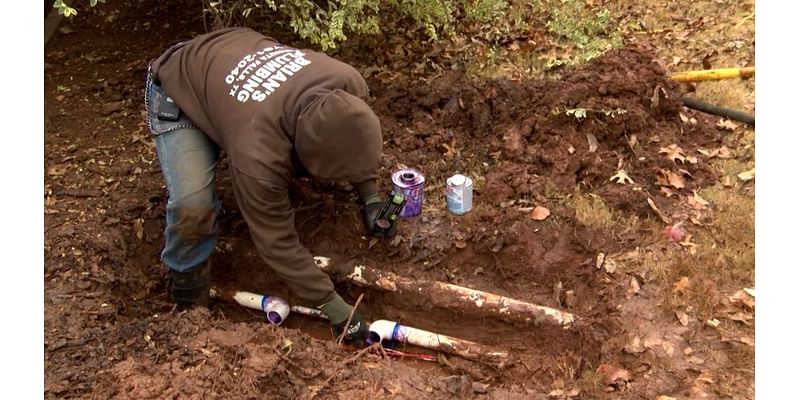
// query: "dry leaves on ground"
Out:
[540,213]
[621,177]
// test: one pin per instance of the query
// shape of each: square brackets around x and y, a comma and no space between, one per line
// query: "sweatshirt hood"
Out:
[338,137]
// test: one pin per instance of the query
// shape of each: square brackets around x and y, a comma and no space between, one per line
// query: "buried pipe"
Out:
[276,308]
[449,295]
[389,331]
[382,331]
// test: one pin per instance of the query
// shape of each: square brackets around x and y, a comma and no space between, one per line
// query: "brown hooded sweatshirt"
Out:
[275,110]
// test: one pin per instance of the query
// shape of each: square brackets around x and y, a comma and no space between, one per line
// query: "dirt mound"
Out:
[616,112]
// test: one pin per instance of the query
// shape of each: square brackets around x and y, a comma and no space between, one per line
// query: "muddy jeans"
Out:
[188,161]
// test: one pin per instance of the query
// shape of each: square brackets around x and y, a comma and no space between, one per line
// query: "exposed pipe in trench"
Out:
[277,309]
[448,295]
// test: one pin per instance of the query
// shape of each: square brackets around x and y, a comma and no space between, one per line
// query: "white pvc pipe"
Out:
[383,330]
[448,295]
[276,308]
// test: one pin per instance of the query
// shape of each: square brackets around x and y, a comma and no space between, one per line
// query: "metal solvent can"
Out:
[411,184]
[459,194]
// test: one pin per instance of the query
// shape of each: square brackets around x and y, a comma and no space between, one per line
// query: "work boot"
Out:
[190,288]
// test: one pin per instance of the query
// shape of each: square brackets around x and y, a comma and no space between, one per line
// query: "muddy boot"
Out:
[190,288]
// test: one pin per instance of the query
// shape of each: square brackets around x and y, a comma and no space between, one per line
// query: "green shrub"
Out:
[327,24]
[591,31]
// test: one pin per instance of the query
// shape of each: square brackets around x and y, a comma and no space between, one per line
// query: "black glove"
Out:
[371,212]
[357,332]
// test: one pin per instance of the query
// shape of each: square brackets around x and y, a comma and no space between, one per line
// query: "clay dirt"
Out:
[605,146]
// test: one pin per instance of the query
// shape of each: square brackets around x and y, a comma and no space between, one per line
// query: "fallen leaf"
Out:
[592,142]
[747,341]
[633,288]
[655,342]
[713,322]
[681,285]
[691,159]
[612,375]
[723,152]
[610,265]
[635,346]
[673,152]
[632,141]
[747,175]
[621,177]
[600,260]
[372,242]
[740,317]
[727,181]
[726,124]
[743,298]
[669,178]
[683,318]
[697,202]
[138,227]
[540,213]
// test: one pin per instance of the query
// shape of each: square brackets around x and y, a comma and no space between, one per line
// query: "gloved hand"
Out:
[371,212]
[356,333]
[337,311]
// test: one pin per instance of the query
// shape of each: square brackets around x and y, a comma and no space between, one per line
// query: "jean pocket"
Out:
[158,126]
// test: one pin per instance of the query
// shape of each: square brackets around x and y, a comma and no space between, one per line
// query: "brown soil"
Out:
[109,326]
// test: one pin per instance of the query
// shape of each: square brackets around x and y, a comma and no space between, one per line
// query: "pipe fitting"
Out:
[382,329]
[276,308]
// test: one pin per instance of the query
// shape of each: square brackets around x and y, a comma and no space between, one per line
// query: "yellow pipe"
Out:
[714,74]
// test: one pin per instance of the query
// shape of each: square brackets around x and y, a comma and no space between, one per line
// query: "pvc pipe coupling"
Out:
[382,329]
[276,308]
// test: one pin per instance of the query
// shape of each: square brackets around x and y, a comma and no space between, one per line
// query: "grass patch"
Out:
[591,211]
[732,236]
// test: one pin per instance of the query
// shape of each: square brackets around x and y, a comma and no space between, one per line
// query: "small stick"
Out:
[349,318]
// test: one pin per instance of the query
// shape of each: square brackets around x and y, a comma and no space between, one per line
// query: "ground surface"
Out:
[649,323]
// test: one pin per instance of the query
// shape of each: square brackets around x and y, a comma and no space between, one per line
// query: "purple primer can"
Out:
[411,184]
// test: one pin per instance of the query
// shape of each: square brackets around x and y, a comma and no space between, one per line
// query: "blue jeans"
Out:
[188,161]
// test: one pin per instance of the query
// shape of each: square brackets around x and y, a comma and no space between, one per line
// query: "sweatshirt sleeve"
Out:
[270,219]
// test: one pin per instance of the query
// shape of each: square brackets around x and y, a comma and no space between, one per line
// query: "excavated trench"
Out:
[514,138]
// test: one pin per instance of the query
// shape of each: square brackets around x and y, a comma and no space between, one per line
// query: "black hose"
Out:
[703,106]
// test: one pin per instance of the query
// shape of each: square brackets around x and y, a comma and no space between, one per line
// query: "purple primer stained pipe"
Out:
[411,184]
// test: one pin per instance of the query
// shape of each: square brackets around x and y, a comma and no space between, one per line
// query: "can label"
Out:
[411,184]
[459,194]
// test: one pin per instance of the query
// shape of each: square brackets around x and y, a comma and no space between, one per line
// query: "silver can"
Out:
[459,194]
